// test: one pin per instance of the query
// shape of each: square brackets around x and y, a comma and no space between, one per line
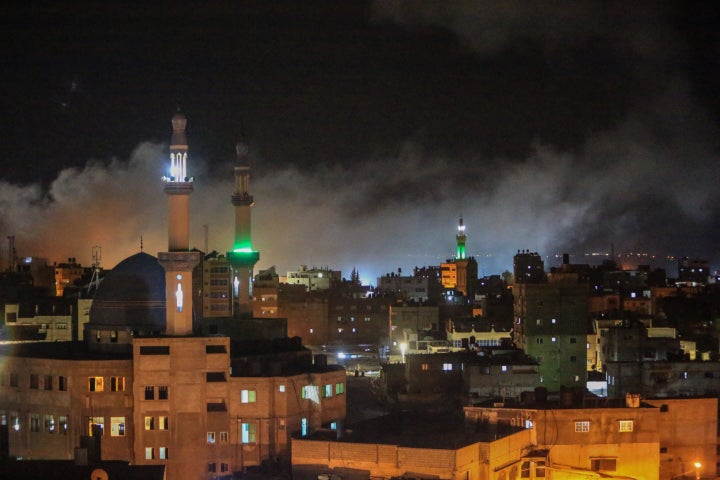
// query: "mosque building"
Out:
[159,386]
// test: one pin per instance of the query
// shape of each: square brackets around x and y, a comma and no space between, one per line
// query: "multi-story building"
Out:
[66,274]
[314,278]
[159,390]
[551,324]
[653,439]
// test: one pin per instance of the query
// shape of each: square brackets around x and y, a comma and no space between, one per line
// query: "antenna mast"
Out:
[96,256]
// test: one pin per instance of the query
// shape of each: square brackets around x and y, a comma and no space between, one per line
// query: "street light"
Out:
[698,465]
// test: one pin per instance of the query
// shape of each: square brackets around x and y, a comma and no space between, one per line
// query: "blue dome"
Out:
[131,296]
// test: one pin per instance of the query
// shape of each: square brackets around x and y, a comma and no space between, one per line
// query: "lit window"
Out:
[211,437]
[447,367]
[117,426]
[626,425]
[50,426]
[327,391]
[281,388]
[15,421]
[582,426]
[504,368]
[163,453]
[339,388]
[63,424]
[247,396]
[554,321]
[149,453]
[248,432]
[553,339]
[149,423]
[96,422]
[163,422]
[529,424]
[95,384]
[117,384]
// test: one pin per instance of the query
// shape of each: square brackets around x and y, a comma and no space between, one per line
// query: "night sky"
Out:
[558,126]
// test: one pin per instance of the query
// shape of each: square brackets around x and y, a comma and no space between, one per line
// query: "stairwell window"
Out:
[582,426]
[626,426]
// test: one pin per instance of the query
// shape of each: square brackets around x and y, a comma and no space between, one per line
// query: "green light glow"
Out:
[243,250]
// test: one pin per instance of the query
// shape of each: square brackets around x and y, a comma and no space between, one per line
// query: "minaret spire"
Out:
[242,258]
[178,261]
[460,240]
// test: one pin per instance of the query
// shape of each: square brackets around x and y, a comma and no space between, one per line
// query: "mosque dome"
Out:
[131,296]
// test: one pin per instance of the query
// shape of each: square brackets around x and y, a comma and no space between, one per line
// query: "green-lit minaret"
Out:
[460,240]
[242,257]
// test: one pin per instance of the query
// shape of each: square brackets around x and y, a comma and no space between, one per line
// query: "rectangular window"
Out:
[34,422]
[626,425]
[211,437]
[47,382]
[63,424]
[215,349]
[339,388]
[50,426]
[327,391]
[582,426]
[224,467]
[248,432]
[215,377]
[34,381]
[425,367]
[211,468]
[117,384]
[149,453]
[15,421]
[96,422]
[281,389]
[603,464]
[14,382]
[95,384]
[223,437]
[155,350]
[117,426]
[163,453]
[248,396]
[447,367]
[62,383]
[149,423]
[149,392]
[162,393]
[163,422]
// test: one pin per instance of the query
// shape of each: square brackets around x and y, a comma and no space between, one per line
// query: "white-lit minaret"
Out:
[178,261]
[242,258]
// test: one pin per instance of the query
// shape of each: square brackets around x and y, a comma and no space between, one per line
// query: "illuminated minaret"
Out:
[178,261]
[460,240]
[242,258]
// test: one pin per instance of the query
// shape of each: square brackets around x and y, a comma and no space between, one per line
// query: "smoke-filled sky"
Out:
[554,126]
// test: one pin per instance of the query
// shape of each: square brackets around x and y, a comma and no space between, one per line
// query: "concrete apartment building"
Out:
[551,326]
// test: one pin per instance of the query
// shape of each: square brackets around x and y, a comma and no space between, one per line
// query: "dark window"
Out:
[62,383]
[34,380]
[211,467]
[215,376]
[215,349]
[664,407]
[163,393]
[149,393]
[47,382]
[14,379]
[155,350]
[604,464]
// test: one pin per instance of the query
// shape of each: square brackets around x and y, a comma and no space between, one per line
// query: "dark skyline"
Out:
[372,125]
